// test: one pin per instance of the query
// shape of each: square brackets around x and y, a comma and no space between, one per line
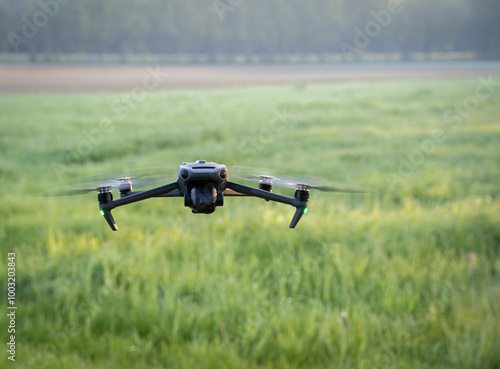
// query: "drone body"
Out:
[203,185]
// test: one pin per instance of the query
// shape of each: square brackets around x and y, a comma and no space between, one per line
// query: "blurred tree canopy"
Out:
[250,26]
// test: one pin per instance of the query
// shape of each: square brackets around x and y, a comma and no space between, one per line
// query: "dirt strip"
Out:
[39,78]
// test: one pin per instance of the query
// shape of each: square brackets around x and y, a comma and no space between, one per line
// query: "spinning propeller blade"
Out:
[300,182]
[95,183]
[110,183]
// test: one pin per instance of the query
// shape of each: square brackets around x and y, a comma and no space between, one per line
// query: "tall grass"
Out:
[405,277]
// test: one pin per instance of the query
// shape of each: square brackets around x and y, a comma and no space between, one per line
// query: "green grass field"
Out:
[405,277]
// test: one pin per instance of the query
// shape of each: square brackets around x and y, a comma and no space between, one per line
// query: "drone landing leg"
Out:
[109,218]
[301,210]
[106,202]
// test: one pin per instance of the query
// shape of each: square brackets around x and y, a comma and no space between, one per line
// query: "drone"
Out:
[203,185]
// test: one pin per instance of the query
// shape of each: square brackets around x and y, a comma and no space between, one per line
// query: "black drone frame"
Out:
[203,186]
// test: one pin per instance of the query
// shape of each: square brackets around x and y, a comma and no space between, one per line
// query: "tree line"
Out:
[250,26]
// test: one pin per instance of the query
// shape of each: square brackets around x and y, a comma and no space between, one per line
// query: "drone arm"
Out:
[256,192]
[229,192]
[173,193]
[299,203]
[106,203]
[143,195]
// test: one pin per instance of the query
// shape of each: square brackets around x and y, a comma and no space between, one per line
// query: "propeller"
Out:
[94,183]
[119,183]
[303,183]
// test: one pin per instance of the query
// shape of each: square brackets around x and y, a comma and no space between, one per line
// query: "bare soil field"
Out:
[39,78]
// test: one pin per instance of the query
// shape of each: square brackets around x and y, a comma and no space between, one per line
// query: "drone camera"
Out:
[203,198]
[203,194]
